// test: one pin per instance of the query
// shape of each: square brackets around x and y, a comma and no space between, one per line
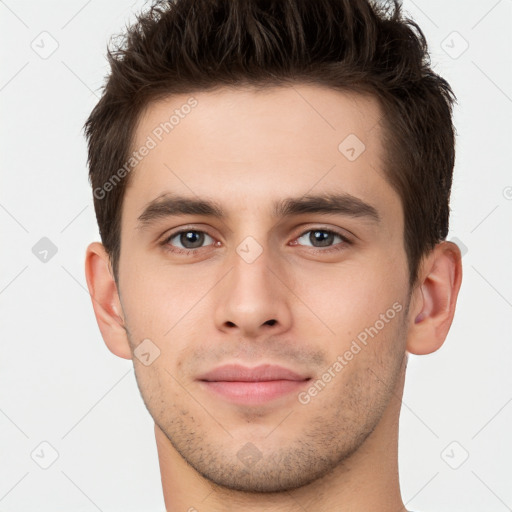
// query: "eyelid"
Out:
[343,233]
[304,228]
[181,229]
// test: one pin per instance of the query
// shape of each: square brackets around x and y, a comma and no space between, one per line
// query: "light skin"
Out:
[294,305]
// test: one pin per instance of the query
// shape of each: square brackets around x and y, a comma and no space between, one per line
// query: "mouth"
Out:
[252,386]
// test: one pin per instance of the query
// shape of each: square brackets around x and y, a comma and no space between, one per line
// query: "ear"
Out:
[434,299]
[105,300]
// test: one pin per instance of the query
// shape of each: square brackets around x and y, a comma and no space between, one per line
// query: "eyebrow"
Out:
[170,205]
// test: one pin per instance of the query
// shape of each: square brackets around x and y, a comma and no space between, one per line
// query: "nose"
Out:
[253,298]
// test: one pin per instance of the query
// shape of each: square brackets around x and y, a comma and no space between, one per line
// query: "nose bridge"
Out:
[251,262]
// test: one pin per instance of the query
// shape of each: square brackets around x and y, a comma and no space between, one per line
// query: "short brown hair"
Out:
[183,46]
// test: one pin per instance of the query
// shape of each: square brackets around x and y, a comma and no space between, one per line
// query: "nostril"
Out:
[270,322]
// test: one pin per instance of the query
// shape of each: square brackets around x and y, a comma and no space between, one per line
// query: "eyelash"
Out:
[192,252]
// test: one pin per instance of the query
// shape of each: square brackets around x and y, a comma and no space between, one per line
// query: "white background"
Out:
[58,382]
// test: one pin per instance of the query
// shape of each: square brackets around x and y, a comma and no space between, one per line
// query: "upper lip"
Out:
[239,373]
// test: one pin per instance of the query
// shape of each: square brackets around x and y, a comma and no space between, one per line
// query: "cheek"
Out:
[359,312]
[165,307]
[349,297]
[149,306]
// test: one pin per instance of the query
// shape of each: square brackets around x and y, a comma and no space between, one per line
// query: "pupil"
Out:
[322,237]
[189,237]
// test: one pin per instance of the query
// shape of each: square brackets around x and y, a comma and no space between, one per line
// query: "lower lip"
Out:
[253,392]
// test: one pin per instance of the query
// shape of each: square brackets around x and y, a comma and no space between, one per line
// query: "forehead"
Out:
[302,110]
[260,145]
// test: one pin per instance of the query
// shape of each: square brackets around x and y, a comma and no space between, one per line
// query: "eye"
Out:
[188,241]
[320,237]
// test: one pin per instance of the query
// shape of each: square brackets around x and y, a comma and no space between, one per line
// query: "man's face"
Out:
[253,288]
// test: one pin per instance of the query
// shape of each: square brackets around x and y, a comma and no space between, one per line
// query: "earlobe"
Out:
[105,300]
[435,299]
